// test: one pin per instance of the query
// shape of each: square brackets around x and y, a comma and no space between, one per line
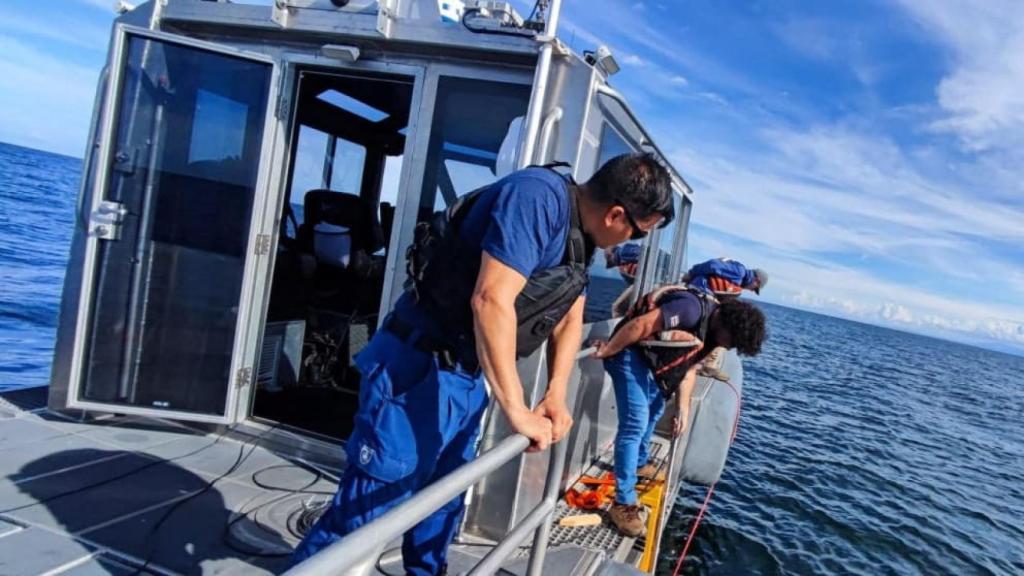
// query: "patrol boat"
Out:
[252,180]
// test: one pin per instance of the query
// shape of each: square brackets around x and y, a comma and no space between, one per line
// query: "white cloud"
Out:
[634,60]
[856,294]
[981,97]
[54,27]
[809,37]
[107,5]
[654,80]
[626,30]
[796,202]
[895,313]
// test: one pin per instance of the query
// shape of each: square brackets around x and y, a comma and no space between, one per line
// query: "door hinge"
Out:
[105,221]
[283,103]
[262,244]
[284,96]
[243,377]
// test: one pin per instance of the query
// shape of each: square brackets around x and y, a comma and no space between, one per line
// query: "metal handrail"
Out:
[359,550]
[540,87]
[546,130]
[357,553]
[538,521]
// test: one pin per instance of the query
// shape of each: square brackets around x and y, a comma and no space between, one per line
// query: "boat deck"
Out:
[123,495]
[131,495]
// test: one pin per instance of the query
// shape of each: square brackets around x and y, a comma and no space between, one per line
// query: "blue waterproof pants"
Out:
[640,405]
[416,422]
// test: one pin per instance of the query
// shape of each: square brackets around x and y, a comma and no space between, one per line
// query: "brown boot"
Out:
[629,519]
[712,372]
[647,471]
[710,367]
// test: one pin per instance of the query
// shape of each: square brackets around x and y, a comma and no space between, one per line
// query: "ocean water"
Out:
[861,450]
[38,195]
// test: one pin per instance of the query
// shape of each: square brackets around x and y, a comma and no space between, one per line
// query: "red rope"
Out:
[711,490]
[696,523]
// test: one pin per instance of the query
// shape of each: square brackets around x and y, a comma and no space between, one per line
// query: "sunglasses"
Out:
[638,232]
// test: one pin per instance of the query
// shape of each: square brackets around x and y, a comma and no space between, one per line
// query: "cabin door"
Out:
[170,252]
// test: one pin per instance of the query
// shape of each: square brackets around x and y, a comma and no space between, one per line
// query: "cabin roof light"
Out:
[341,52]
[603,60]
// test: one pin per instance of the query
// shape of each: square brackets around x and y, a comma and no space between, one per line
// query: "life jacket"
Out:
[443,269]
[668,357]
[722,287]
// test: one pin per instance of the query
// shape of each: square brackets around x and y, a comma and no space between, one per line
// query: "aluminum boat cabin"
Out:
[253,177]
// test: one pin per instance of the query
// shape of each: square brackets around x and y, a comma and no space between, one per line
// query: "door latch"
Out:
[105,221]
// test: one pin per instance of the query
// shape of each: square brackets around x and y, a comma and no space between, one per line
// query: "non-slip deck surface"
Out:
[108,495]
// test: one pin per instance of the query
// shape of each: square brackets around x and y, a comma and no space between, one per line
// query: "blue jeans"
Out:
[416,422]
[640,404]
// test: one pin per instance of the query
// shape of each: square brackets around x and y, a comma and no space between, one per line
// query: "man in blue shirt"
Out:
[422,390]
[725,277]
[640,399]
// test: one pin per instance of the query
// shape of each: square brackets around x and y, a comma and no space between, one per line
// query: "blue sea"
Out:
[861,450]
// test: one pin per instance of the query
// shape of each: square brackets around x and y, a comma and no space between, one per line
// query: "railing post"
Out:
[552,487]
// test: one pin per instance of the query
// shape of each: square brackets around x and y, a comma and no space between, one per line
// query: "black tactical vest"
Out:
[443,270]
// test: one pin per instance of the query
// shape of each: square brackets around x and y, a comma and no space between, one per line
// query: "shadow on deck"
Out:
[119,494]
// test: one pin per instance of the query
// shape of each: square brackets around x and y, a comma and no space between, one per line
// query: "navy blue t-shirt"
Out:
[681,311]
[521,220]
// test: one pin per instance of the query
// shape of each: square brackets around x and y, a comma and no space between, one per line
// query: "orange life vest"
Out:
[720,285]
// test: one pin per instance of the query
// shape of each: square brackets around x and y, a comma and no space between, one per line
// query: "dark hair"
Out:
[637,181]
[745,324]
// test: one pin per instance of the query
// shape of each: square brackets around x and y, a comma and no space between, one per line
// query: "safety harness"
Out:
[670,353]
[442,271]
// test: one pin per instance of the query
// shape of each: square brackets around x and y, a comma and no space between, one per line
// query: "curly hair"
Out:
[745,323]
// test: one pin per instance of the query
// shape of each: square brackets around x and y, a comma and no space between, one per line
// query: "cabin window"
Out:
[308,172]
[612,145]
[684,221]
[666,263]
[218,128]
[346,169]
[471,119]
[318,167]
[464,177]
[607,284]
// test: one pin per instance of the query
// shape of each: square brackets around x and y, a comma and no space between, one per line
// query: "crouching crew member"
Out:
[725,277]
[492,278]
[652,354]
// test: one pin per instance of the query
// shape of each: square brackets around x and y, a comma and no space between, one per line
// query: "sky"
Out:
[869,155]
